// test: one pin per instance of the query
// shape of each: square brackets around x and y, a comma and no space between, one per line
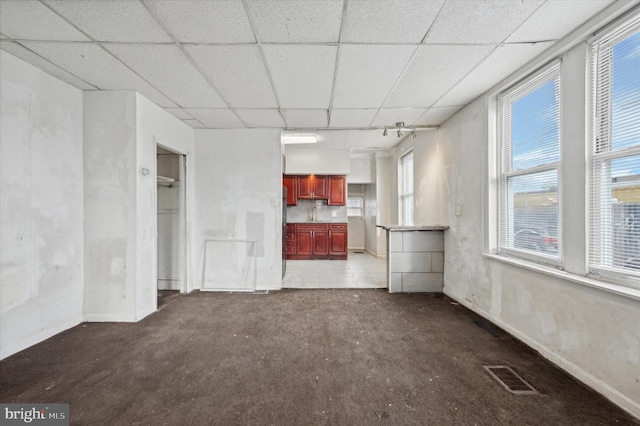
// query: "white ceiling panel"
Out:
[488,21]
[305,117]
[367,73]
[352,117]
[332,139]
[94,65]
[295,21]
[502,62]
[387,117]
[195,124]
[28,56]
[113,20]
[302,75]
[216,118]
[179,113]
[238,72]
[433,71]
[389,21]
[261,118]
[168,69]
[555,19]
[197,21]
[435,116]
[32,20]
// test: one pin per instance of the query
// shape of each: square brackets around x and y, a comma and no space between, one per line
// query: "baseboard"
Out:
[40,337]
[110,318]
[612,394]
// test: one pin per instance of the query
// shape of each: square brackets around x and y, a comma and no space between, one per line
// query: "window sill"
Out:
[619,290]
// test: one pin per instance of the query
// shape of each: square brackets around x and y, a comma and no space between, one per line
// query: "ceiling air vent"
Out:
[508,378]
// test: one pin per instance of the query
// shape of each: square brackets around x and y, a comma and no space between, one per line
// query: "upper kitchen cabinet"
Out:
[291,183]
[337,190]
[316,187]
[312,187]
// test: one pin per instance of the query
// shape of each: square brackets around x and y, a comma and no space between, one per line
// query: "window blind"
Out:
[614,213]
[529,136]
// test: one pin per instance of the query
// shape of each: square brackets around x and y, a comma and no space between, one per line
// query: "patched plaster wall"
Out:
[41,205]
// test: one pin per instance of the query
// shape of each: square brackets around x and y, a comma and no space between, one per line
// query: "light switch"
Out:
[458,209]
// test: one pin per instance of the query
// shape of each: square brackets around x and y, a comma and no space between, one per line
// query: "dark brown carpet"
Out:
[297,357]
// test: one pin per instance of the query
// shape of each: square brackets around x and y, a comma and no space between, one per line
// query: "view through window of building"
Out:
[355,206]
[529,137]
[406,189]
[615,148]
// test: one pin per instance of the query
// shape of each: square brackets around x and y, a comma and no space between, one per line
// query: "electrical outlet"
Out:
[334,214]
[458,210]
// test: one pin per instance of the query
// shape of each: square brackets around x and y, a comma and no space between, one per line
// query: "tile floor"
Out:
[360,270]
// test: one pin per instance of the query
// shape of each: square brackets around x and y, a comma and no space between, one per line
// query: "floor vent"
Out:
[510,380]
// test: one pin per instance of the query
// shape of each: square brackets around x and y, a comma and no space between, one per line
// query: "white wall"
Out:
[110,201]
[312,160]
[121,129]
[362,170]
[426,178]
[239,193]
[591,333]
[385,195]
[155,126]
[41,205]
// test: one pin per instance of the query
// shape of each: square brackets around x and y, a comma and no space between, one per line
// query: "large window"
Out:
[529,140]
[614,244]
[405,172]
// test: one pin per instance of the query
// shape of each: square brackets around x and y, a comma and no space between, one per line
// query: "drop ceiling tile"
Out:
[433,71]
[352,117]
[389,116]
[366,74]
[403,21]
[42,63]
[179,113]
[197,21]
[489,21]
[294,21]
[94,65]
[44,24]
[261,118]
[555,19]
[113,20]
[168,69]
[216,118]
[332,139]
[302,75]
[195,124]
[238,72]
[435,116]
[503,61]
[305,117]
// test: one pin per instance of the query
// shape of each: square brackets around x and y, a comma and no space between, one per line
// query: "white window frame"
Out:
[542,76]
[361,198]
[596,184]
[404,197]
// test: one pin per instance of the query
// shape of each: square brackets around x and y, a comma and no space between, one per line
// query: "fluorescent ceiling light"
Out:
[290,139]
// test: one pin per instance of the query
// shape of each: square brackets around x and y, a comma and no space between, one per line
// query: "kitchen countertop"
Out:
[412,228]
[319,222]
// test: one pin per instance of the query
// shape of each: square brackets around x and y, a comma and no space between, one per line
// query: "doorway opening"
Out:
[171,234]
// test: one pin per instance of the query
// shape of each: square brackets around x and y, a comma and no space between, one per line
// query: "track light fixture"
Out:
[399,128]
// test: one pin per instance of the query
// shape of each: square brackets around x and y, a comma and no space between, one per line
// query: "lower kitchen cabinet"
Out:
[316,241]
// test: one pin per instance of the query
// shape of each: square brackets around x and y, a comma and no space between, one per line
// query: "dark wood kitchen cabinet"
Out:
[312,187]
[338,239]
[337,188]
[316,241]
[291,183]
[316,187]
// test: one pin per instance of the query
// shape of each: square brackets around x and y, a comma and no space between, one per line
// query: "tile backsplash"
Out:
[304,210]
